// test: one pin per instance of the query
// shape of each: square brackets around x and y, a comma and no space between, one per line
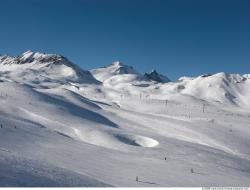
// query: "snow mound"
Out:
[137,140]
[113,141]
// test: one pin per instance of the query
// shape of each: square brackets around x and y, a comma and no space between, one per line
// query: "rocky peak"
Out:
[155,76]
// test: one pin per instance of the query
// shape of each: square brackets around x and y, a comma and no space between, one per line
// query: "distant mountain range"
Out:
[36,68]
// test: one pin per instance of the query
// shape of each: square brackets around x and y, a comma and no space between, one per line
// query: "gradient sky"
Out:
[176,37]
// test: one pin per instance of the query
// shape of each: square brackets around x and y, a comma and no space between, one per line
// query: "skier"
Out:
[136,179]
[192,170]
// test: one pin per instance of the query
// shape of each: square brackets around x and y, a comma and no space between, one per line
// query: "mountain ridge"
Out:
[42,69]
[118,66]
[45,64]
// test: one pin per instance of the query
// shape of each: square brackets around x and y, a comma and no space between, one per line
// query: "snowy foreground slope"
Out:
[63,126]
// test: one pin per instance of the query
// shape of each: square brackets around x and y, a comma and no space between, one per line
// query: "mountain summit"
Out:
[116,68]
[154,76]
[36,66]
[120,68]
[33,57]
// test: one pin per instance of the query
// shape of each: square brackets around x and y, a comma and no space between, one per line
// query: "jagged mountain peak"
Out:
[155,76]
[38,57]
[33,57]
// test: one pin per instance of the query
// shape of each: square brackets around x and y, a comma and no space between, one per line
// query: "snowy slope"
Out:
[63,126]
[220,87]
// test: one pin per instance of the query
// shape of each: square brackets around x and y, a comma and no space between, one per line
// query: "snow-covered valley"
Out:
[64,126]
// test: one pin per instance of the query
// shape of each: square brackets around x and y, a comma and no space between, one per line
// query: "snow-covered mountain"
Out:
[220,87]
[40,67]
[63,126]
[117,68]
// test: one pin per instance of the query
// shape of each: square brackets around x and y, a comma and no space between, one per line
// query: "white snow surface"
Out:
[64,126]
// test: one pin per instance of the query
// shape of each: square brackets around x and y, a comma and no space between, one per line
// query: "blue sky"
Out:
[175,37]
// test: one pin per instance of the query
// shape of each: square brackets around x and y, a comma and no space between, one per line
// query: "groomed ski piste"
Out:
[112,126]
